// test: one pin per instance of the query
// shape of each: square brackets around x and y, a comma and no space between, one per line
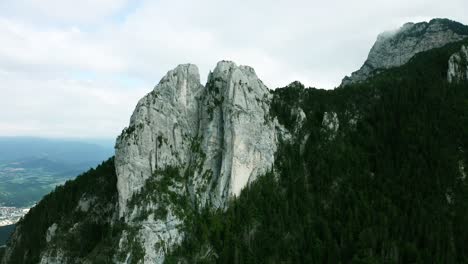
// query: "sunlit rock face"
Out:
[160,131]
[396,48]
[218,138]
[458,66]
[237,134]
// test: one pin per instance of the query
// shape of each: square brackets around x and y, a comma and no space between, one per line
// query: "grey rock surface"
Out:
[458,66]
[160,131]
[395,48]
[330,124]
[238,137]
[220,136]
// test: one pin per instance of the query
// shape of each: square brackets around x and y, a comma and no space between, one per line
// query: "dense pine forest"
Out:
[91,237]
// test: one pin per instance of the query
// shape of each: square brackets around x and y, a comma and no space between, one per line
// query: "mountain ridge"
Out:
[395,48]
[232,172]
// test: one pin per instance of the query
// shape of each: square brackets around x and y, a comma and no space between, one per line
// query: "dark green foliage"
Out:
[165,188]
[5,232]
[386,189]
[215,99]
[59,206]
[131,246]
[282,109]
[127,132]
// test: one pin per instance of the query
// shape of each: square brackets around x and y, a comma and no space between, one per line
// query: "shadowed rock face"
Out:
[220,136]
[458,66]
[394,49]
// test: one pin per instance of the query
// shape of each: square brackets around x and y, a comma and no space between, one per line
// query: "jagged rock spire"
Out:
[220,137]
[458,66]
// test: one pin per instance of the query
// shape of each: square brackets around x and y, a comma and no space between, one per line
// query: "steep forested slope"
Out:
[75,218]
[381,179]
[5,232]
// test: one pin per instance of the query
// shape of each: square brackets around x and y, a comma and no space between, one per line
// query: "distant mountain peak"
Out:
[395,48]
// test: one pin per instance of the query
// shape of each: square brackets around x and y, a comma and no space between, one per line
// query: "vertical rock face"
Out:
[394,49]
[237,135]
[458,66]
[159,133]
[217,138]
[331,124]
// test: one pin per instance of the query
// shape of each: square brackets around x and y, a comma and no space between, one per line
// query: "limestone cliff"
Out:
[458,66]
[395,48]
[160,131]
[213,139]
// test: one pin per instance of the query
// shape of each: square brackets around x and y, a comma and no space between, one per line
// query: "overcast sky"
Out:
[76,68]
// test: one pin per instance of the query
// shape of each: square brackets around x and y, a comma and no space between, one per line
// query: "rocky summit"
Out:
[220,134]
[395,48]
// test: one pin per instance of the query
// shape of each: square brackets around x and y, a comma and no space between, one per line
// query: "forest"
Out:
[91,238]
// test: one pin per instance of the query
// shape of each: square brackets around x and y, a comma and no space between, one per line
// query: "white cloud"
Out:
[62,11]
[28,48]
[65,107]
[77,68]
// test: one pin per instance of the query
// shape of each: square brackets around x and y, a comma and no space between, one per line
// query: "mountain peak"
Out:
[225,66]
[208,141]
[397,47]
[181,71]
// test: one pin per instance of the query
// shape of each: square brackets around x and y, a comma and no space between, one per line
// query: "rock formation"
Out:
[396,48]
[458,66]
[159,133]
[220,136]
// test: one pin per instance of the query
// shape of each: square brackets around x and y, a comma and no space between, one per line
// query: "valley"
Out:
[32,167]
